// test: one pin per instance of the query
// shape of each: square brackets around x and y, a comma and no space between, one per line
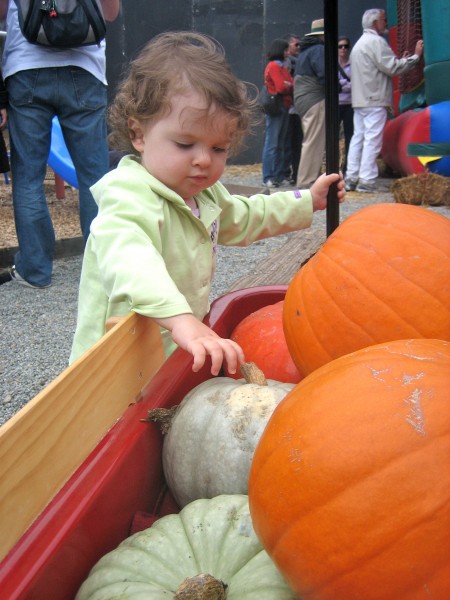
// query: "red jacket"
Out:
[278,80]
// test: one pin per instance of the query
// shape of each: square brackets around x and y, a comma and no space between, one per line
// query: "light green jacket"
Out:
[148,253]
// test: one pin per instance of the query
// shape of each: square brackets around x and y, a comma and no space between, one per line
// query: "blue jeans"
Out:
[293,147]
[273,162]
[79,100]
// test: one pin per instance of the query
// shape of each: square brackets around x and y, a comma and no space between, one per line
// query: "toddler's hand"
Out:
[219,349]
[199,340]
[319,190]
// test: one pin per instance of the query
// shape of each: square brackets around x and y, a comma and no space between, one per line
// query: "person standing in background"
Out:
[294,136]
[43,82]
[345,96]
[309,101]
[4,160]
[373,64]
[278,80]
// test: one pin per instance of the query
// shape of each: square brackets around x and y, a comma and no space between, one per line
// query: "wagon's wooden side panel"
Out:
[43,444]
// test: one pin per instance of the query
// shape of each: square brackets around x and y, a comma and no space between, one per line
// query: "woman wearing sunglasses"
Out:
[345,96]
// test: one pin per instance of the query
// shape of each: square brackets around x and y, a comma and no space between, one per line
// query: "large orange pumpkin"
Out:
[384,274]
[261,336]
[349,487]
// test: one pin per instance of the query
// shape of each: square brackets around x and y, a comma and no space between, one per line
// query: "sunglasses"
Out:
[344,46]
[297,45]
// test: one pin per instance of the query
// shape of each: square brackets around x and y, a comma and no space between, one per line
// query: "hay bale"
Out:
[422,188]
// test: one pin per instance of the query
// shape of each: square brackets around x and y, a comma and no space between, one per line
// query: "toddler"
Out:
[162,212]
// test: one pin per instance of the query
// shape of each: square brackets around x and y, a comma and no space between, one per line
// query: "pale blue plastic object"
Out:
[59,158]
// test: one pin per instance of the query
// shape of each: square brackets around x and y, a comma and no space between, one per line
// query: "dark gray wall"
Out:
[244,27]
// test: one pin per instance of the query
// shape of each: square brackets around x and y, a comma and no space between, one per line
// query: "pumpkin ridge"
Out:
[369,292]
[388,464]
[345,486]
[362,559]
[185,519]
[342,316]
[373,214]
[289,323]
[444,253]
[381,265]
[392,267]
[183,548]
[372,556]
[330,583]
[126,553]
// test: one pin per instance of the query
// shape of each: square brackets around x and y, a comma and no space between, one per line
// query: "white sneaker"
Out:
[350,185]
[271,183]
[366,187]
[17,278]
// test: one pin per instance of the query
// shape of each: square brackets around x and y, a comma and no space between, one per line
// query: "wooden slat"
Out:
[44,443]
[282,264]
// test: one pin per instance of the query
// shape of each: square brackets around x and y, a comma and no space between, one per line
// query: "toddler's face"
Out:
[183,151]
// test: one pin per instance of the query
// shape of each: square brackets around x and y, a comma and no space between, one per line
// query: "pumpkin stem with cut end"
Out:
[162,416]
[252,374]
[201,587]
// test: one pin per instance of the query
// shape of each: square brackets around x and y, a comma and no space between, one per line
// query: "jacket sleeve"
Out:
[317,62]
[278,79]
[245,220]
[388,63]
[127,245]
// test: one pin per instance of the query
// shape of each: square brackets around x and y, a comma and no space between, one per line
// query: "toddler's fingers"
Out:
[234,356]
[199,355]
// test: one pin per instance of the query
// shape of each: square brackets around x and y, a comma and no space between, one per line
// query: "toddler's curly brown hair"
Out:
[176,62]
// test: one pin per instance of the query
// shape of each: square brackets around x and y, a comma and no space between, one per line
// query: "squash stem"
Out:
[252,374]
[201,587]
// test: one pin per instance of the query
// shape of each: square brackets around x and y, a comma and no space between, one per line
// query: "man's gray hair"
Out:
[371,15]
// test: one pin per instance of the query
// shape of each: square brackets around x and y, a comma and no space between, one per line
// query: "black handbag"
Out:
[271,104]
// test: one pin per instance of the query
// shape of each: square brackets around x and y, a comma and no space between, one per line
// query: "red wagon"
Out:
[78,464]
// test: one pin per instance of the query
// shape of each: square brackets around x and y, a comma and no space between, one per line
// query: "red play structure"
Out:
[418,136]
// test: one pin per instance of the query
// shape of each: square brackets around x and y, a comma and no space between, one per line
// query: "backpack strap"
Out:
[96,19]
[30,18]
[343,73]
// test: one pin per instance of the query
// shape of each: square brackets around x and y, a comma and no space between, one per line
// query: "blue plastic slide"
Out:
[59,158]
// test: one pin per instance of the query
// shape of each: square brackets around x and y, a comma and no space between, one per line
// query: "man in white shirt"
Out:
[373,64]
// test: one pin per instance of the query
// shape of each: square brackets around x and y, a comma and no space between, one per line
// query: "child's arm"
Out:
[199,340]
[319,190]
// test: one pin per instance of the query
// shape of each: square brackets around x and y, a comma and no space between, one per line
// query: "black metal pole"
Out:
[331,108]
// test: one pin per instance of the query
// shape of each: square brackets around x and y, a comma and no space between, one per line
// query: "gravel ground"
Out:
[37,326]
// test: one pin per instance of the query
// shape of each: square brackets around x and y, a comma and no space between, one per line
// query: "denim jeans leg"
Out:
[29,125]
[281,147]
[269,157]
[83,122]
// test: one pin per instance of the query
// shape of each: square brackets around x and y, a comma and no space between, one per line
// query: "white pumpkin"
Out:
[214,432]
[209,545]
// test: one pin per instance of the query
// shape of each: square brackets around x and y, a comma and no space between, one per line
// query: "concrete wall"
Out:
[244,27]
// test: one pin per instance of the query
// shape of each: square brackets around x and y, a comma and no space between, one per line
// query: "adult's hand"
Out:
[419,48]
[110,9]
